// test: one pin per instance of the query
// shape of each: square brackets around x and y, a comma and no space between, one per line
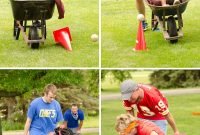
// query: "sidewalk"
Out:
[84,130]
[181,91]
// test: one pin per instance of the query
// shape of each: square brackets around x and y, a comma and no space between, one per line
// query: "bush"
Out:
[175,78]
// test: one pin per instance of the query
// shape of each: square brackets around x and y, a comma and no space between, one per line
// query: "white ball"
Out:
[94,37]
[140,17]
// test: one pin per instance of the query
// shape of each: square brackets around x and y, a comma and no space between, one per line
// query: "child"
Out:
[128,125]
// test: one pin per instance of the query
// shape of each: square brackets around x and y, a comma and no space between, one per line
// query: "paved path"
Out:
[84,130]
[165,92]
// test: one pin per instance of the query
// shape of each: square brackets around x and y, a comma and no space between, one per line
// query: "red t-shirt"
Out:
[145,127]
[153,106]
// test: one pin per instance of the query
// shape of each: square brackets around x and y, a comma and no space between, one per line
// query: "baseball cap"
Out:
[127,87]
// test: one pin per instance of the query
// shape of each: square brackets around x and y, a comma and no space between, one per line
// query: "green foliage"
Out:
[118,75]
[175,78]
[9,125]
[19,87]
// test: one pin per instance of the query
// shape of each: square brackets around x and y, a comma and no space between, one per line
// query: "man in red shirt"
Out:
[149,102]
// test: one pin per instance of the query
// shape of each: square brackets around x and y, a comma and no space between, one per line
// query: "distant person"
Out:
[44,113]
[73,119]
[126,124]
[150,103]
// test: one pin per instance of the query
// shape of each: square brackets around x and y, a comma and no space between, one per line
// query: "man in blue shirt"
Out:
[44,113]
[72,117]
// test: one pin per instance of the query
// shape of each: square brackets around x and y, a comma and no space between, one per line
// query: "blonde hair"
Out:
[50,88]
[123,121]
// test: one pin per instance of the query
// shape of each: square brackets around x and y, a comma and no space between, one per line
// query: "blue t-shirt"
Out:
[72,122]
[44,116]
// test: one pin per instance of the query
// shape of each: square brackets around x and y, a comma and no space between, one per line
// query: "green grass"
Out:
[82,18]
[119,31]
[181,108]
[109,85]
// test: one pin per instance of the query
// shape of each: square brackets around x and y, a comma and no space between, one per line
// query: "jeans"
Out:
[160,123]
[74,130]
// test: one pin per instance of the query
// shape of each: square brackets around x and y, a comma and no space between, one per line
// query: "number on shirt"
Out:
[160,105]
[146,111]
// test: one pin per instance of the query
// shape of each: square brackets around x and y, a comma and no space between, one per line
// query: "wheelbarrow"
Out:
[31,10]
[169,18]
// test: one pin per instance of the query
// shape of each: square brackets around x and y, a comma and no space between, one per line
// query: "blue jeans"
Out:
[160,123]
[74,130]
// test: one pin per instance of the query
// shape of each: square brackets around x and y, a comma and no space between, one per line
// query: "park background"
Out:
[19,87]
[181,87]
[81,16]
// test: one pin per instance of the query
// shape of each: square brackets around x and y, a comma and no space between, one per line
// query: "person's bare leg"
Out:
[140,7]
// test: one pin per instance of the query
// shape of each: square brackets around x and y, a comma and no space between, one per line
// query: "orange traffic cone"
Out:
[140,42]
[63,37]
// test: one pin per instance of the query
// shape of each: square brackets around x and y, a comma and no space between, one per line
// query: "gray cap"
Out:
[127,87]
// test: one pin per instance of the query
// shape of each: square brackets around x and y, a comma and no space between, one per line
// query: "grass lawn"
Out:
[119,31]
[82,18]
[182,112]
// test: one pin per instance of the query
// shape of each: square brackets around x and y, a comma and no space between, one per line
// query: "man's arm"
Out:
[80,125]
[27,126]
[172,123]
[63,125]
[153,133]
[132,112]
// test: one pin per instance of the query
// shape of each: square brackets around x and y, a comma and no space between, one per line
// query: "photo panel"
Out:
[49,101]
[49,33]
[139,101]
[144,34]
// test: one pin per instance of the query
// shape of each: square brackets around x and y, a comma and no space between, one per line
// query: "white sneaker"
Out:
[176,2]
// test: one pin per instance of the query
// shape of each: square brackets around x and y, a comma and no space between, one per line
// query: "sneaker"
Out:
[144,25]
[176,2]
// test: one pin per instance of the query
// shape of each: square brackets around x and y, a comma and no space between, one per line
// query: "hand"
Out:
[62,126]
[51,133]
[78,131]
[176,133]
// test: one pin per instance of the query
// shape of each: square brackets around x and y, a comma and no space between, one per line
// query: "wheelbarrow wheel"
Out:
[33,35]
[171,27]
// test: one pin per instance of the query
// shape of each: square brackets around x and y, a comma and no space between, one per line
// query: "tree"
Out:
[119,75]
[175,78]
[19,87]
